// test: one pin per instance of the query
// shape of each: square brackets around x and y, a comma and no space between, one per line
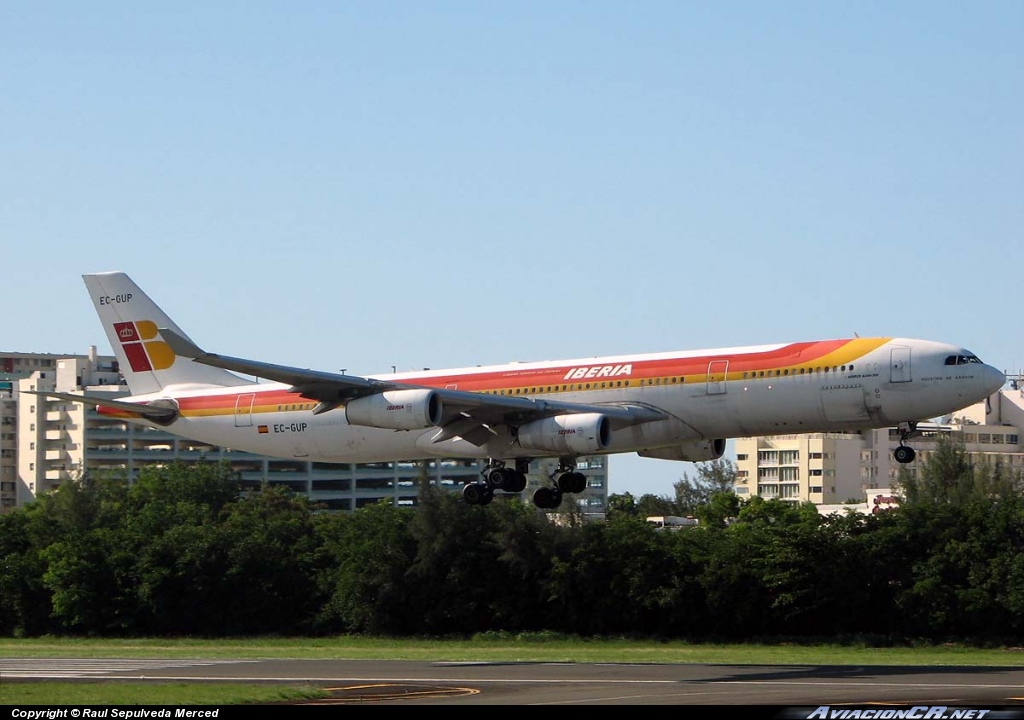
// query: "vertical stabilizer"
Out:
[130,320]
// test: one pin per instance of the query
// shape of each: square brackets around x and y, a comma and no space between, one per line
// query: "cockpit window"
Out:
[962,360]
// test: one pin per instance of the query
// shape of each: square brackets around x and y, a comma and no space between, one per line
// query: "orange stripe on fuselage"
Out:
[808,356]
[794,356]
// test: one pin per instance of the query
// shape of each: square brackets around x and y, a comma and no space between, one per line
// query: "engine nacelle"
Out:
[693,451]
[567,434]
[396,410]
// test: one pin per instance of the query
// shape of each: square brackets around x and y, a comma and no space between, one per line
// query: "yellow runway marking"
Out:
[388,691]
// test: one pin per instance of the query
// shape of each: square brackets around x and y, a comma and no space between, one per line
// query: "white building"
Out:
[822,468]
[15,366]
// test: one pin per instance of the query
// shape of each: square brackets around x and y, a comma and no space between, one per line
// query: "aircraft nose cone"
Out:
[994,379]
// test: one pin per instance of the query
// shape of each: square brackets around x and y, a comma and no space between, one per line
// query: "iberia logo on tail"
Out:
[143,352]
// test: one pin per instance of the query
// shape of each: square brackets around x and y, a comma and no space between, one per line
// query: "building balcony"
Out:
[161,455]
[106,432]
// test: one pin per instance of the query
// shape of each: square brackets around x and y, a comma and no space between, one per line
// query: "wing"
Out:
[467,415]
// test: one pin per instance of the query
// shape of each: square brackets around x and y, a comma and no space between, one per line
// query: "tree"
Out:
[267,542]
[719,510]
[363,558]
[622,504]
[712,477]
[951,475]
[649,505]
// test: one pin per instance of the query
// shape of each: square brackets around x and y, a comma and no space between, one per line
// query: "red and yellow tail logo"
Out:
[144,353]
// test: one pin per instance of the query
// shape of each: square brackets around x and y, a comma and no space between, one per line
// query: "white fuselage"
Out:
[710,394]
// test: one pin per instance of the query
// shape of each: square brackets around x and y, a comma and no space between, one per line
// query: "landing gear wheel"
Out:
[506,479]
[498,478]
[517,483]
[542,497]
[547,498]
[580,483]
[556,499]
[477,494]
[572,482]
[904,454]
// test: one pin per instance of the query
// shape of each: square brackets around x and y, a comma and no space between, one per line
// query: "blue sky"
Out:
[431,184]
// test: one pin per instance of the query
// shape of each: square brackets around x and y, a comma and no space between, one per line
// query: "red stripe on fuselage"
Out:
[527,377]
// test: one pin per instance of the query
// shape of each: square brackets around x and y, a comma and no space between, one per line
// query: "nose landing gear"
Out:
[904,454]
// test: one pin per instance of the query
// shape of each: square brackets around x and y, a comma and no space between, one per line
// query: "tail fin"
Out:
[130,320]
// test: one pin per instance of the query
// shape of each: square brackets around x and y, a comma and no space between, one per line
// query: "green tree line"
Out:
[183,552]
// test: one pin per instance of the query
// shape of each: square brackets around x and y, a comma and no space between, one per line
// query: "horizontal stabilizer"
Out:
[156,413]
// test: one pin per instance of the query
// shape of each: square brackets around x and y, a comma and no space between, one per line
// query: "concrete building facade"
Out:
[16,366]
[818,467]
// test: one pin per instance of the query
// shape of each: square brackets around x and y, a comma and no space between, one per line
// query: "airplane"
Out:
[671,405]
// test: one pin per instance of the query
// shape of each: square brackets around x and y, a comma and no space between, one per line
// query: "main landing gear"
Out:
[565,479]
[904,454]
[496,477]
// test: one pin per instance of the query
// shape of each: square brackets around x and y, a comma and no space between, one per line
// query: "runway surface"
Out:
[407,682]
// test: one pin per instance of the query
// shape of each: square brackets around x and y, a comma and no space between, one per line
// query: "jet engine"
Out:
[567,434]
[692,451]
[396,410]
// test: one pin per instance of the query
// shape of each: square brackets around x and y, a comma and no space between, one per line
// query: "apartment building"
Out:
[15,366]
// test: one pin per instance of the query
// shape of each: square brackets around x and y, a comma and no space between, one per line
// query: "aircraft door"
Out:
[718,370]
[243,409]
[844,403]
[899,365]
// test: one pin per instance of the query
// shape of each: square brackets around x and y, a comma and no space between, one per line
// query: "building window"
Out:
[789,457]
